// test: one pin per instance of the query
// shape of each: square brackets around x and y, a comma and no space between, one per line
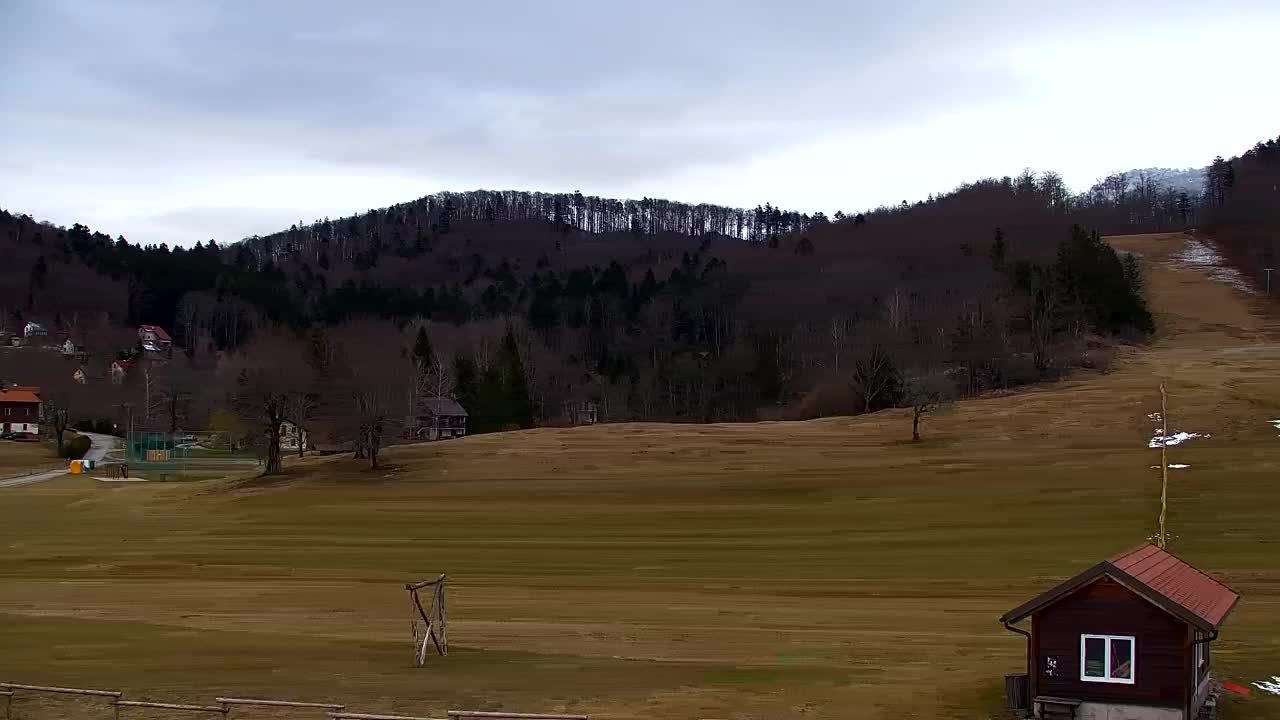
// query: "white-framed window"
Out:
[1202,650]
[1107,658]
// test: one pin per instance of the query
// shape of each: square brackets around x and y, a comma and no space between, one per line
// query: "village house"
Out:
[79,376]
[68,347]
[20,410]
[582,412]
[154,338]
[1127,638]
[34,330]
[292,437]
[120,370]
[440,418]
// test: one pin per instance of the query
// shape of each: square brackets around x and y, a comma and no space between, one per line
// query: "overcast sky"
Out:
[176,121]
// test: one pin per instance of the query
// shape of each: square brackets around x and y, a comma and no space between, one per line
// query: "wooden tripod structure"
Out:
[435,630]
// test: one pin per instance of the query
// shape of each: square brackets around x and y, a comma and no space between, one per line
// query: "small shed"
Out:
[1129,637]
[440,418]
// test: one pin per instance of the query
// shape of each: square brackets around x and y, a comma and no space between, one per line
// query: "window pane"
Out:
[1095,657]
[1122,659]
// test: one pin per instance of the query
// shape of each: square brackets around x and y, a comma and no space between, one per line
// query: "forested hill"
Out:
[654,309]
[657,310]
[1242,209]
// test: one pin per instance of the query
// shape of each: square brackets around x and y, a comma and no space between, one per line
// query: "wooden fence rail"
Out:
[479,714]
[367,716]
[66,691]
[279,703]
[172,706]
[225,705]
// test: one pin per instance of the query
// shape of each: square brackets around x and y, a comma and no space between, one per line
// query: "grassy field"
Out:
[824,569]
[19,457]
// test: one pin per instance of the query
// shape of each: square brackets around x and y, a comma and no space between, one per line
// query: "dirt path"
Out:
[101,447]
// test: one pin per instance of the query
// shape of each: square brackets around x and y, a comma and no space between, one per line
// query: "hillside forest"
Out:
[525,305]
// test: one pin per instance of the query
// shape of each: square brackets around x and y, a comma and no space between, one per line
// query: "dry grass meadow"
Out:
[823,569]
[20,457]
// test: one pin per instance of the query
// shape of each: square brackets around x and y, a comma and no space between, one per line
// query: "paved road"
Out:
[102,444]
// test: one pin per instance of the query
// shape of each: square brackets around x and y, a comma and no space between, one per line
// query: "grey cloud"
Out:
[560,94]
[191,224]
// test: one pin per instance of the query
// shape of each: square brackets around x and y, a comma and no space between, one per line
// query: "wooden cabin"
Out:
[1127,638]
[440,418]
[582,412]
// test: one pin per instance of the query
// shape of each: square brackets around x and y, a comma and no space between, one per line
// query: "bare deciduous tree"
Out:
[926,394]
[897,309]
[838,331]
[270,375]
[875,380]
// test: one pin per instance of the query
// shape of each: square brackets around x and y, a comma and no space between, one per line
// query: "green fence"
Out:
[156,452]
[183,455]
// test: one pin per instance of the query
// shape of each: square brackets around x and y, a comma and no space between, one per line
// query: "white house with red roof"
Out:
[154,338]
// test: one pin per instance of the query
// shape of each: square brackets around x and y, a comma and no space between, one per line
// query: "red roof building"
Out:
[1128,637]
[154,334]
[1179,583]
[20,410]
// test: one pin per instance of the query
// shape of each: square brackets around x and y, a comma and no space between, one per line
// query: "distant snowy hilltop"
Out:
[1188,180]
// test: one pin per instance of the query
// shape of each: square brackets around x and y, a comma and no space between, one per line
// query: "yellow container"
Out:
[76,467]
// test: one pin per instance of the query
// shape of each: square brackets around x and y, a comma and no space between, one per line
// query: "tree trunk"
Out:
[273,450]
[360,442]
[915,425]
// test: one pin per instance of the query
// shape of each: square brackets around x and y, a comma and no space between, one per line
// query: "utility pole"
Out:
[1268,272]
[1162,537]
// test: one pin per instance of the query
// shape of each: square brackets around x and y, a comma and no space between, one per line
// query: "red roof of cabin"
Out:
[1174,579]
[159,332]
[1155,575]
[18,396]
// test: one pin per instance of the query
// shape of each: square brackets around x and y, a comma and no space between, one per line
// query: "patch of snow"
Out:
[1172,466]
[1272,686]
[120,479]
[1200,255]
[1175,439]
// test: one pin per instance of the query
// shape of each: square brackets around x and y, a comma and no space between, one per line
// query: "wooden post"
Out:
[444,623]
[436,631]
[1162,538]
